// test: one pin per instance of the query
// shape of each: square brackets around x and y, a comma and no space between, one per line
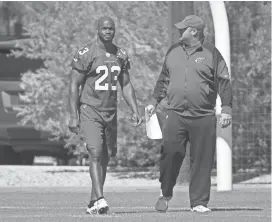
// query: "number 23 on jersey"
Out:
[102,83]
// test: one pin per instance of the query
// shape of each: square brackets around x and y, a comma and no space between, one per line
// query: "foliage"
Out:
[250,24]
[58,29]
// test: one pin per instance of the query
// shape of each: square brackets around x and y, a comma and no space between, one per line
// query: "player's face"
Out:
[106,31]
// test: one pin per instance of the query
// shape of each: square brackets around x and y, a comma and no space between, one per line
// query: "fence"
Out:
[251,80]
[252,143]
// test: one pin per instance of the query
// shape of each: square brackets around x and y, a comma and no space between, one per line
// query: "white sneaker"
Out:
[102,206]
[162,203]
[93,209]
[200,209]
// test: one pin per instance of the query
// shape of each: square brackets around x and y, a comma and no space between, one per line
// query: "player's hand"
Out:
[74,125]
[225,120]
[151,109]
[137,119]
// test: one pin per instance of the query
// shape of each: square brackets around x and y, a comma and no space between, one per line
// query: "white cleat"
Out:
[200,209]
[102,206]
[93,209]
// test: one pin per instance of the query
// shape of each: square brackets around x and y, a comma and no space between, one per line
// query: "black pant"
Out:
[201,133]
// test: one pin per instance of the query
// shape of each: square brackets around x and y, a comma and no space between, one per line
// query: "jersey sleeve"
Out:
[80,61]
[123,56]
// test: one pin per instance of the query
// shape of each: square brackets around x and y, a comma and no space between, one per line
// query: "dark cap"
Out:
[192,21]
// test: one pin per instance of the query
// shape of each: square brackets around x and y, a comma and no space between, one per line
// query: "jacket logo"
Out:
[200,59]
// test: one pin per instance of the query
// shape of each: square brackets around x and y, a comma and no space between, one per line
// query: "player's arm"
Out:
[76,80]
[128,91]
[77,77]
[129,95]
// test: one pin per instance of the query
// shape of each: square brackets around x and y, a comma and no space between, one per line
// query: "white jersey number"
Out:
[114,71]
[83,51]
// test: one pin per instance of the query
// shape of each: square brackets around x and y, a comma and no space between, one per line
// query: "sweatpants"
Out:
[201,133]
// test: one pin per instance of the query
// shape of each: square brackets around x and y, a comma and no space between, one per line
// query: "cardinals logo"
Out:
[121,54]
[200,59]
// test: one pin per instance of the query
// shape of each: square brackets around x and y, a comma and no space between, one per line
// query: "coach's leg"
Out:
[175,138]
[202,134]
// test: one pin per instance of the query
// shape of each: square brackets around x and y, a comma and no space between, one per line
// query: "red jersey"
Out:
[101,70]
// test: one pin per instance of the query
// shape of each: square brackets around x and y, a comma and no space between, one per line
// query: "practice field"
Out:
[131,204]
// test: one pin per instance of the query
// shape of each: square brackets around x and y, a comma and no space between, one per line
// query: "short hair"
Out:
[103,19]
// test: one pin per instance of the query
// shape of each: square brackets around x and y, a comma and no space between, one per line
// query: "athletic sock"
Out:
[91,204]
[100,198]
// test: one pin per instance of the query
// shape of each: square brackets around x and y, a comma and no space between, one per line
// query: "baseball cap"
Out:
[190,21]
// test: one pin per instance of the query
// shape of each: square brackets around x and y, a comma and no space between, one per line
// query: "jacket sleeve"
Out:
[223,83]
[160,89]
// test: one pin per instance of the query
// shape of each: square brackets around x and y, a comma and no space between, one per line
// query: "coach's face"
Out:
[106,30]
[186,34]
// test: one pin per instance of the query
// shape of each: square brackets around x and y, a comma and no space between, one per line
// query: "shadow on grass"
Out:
[135,172]
[119,172]
[66,171]
[236,209]
[136,175]
[188,210]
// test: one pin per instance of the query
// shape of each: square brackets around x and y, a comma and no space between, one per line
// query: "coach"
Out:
[192,74]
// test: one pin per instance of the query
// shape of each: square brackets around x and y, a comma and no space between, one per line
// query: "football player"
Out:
[98,68]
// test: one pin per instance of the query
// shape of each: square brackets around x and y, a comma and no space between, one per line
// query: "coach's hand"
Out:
[74,125]
[137,119]
[151,109]
[225,120]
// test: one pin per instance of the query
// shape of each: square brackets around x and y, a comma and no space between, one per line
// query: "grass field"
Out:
[244,203]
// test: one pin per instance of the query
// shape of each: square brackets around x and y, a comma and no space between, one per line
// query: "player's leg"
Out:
[175,138]
[93,133]
[104,163]
[109,150]
[100,205]
[202,133]
[95,170]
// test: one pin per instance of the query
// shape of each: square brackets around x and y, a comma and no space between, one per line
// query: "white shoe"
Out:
[200,209]
[162,203]
[102,206]
[93,209]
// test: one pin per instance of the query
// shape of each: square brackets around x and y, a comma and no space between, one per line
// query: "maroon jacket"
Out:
[191,79]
